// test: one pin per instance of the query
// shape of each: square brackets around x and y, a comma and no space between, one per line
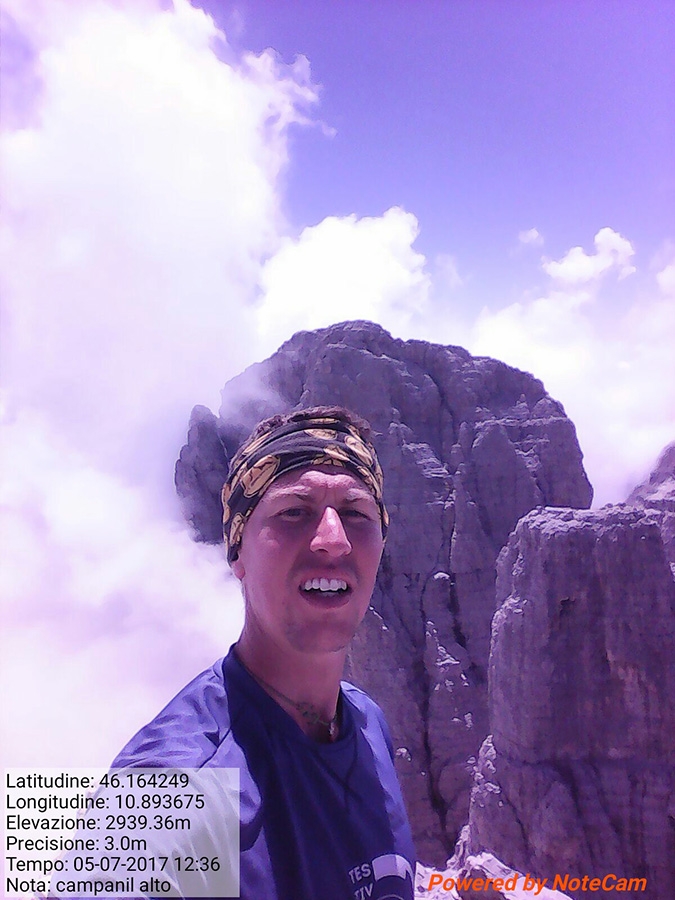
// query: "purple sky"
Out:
[482,118]
[178,199]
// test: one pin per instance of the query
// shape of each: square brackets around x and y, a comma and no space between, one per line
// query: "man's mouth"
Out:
[325,587]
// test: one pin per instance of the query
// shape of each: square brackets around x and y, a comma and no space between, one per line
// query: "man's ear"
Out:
[238,568]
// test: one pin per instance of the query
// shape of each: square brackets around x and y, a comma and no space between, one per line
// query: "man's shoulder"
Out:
[189,731]
[373,716]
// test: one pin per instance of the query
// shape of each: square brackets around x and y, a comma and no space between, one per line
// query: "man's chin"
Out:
[321,638]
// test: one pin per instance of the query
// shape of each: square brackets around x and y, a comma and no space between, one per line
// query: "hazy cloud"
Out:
[531,237]
[446,276]
[666,280]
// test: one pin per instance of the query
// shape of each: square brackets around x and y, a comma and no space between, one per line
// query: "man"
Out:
[322,816]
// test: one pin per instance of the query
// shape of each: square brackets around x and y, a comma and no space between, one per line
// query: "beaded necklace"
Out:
[304,708]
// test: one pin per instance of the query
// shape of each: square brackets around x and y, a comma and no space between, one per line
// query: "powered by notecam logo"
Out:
[531,884]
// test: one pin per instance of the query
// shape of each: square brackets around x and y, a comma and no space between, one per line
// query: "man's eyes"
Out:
[301,512]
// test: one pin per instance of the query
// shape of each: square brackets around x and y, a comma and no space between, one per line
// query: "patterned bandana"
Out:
[322,441]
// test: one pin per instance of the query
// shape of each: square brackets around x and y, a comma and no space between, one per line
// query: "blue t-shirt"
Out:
[318,821]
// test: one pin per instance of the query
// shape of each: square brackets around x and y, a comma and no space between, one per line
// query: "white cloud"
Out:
[147,194]
[577,267]
[345,268]
[531,237]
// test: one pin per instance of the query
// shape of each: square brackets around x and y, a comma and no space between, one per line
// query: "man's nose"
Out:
[330,535]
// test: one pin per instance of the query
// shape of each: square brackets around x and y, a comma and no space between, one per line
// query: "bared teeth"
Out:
[326,585]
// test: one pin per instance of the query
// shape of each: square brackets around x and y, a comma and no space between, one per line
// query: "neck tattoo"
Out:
[306,709]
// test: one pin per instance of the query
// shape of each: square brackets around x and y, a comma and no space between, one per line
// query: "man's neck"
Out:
[306,685]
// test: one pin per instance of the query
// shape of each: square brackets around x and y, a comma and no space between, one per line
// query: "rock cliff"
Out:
[578,774]
[468,446]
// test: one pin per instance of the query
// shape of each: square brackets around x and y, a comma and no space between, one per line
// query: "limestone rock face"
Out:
[468,446]
[578,775]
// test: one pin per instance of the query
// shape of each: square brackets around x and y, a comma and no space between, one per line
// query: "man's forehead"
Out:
[311,479]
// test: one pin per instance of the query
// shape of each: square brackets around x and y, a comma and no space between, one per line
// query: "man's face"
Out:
[308,560]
